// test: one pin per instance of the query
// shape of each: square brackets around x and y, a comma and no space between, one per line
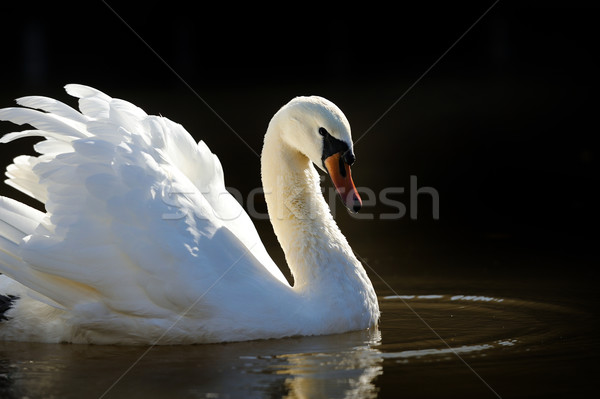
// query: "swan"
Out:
[140,242]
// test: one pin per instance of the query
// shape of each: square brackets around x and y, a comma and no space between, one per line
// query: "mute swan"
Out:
[141,243]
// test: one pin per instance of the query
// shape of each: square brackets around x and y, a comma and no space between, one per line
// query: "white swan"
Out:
[142,244]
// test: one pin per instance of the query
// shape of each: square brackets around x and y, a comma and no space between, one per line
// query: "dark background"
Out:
[504,127]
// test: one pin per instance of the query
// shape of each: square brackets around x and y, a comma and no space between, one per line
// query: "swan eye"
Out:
[323,132]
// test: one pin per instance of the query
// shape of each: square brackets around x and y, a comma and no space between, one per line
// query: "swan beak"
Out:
[339,171]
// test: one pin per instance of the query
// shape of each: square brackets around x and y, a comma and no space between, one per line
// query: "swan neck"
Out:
[331,283]
[298,212]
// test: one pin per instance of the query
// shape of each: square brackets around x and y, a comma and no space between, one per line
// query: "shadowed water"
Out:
[443,343]
[473,317]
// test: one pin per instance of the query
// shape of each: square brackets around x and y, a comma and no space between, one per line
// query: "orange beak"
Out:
[339,171]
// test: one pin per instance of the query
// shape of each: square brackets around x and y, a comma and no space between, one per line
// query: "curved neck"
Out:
[301,218]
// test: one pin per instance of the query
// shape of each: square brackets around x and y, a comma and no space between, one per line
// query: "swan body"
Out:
[140,243]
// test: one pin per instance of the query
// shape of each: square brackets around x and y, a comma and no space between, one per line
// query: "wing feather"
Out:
[53,106]
[44,121]
[137,214]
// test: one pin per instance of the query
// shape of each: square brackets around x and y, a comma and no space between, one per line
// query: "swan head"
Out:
[317,128]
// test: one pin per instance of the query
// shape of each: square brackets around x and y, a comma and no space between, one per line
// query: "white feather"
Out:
[43,121]
[53,106]
[141,241]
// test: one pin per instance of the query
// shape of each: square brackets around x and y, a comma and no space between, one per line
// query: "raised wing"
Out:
[138,217]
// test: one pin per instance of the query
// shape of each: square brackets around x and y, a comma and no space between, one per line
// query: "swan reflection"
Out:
[342,370]
[334,366]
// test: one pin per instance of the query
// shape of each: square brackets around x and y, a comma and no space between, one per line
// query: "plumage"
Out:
[140,242]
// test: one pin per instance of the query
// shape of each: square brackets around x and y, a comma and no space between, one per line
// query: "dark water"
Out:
[507,309]
[443,333]
[504,126]
[493,313]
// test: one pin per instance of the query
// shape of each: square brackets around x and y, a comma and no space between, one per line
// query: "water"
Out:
[480,316]
[454,333]
[498,340]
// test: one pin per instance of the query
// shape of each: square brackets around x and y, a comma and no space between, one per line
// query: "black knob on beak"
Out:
[349,157]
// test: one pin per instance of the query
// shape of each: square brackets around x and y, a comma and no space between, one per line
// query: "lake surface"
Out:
[489,328]
[491,313]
